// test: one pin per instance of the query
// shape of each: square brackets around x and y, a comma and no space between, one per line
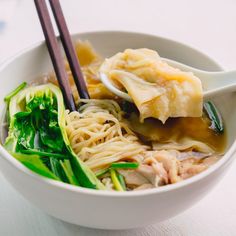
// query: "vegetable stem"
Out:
[115,180]
[122,181]
[69,172]
[58,170]
[125,165]
[14,92]
[102,172]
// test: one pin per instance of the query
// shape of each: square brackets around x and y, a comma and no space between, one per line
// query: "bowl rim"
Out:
[77,189]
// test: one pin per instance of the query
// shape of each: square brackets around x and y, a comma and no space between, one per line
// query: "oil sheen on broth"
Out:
[176,129]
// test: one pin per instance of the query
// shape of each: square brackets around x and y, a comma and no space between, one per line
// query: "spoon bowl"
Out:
[213,83]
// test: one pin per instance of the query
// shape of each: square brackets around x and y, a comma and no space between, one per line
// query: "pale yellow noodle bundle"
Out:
[99,137]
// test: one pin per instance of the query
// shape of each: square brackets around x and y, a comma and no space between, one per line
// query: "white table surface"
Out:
[207,25]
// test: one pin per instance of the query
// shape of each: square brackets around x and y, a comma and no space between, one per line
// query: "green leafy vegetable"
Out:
[125,165]
[214,116]
[37,126]
[58,170]
[34,163]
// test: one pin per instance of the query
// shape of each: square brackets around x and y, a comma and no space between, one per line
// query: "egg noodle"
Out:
[98,136]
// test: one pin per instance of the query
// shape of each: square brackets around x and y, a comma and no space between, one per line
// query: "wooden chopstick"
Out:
[69,49]
[55,53]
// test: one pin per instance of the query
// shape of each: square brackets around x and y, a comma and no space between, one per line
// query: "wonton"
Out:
[157,89]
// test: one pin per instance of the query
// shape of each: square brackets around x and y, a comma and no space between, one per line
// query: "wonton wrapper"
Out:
[184,144]
[157,89]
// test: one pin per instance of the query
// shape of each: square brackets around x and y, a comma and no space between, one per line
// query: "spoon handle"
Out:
[213,83]
[216,83]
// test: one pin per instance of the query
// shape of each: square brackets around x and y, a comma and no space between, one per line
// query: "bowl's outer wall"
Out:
[110,212]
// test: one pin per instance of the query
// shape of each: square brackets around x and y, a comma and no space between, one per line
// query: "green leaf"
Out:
[214,116]
[84,175]
[58,170]
[24,132]
[34,163]
[51,139]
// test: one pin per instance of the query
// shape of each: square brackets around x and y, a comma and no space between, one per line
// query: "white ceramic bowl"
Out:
[102,209]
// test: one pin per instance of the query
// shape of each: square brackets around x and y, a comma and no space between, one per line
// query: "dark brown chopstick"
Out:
[54,51]
[69,49]
[55,54]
